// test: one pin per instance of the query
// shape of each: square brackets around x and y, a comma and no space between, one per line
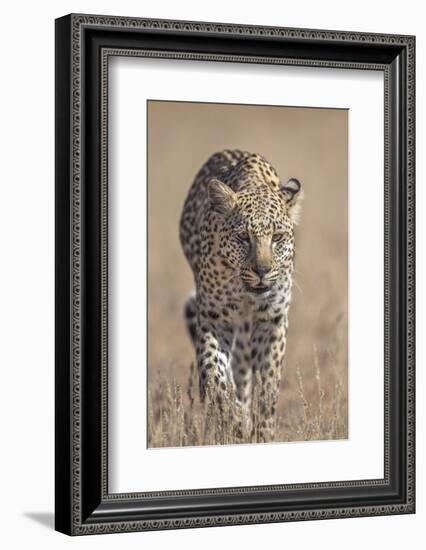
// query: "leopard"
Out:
[237,231]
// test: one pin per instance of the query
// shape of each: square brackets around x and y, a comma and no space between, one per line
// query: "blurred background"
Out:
[310,144]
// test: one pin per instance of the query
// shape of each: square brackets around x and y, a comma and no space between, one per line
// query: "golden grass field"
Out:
[306,143]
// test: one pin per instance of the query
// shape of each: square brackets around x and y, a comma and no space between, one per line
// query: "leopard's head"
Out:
[256,236]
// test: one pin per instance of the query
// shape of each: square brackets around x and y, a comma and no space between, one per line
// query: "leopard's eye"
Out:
[277,237]
[244,237]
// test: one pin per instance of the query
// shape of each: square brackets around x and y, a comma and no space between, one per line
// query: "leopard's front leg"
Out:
[214,346]
[268,349]
[242,369]
[215,356]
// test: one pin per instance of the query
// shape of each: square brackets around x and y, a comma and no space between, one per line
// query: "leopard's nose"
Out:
[261,270]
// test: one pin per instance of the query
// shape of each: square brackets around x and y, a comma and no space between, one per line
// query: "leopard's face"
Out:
[256,238]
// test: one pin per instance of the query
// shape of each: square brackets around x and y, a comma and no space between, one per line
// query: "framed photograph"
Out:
[234,274]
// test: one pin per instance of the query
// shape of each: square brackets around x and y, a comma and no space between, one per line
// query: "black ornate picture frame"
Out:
[84,43]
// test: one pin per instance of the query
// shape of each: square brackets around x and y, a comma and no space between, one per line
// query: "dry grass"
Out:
[176,417]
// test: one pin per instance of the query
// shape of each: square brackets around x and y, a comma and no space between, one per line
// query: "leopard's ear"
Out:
[221,196]
[293,194]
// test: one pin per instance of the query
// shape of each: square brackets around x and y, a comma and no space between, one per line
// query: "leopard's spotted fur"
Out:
[237,234]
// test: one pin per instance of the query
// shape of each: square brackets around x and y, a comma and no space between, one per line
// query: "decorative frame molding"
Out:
[84,43]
